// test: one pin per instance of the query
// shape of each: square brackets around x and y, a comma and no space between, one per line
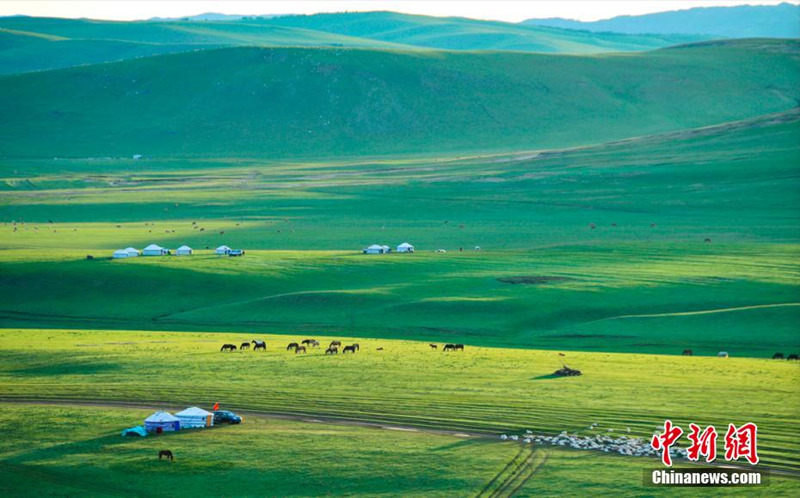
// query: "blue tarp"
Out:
[135,431]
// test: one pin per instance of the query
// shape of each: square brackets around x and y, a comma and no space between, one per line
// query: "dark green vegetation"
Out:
[43,446]
[742,21]
[30,44]
[625,285]
[296,103]
[483,390]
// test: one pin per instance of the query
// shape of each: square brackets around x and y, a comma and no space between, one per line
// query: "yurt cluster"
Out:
[160,421]
[157,250]
[405,247]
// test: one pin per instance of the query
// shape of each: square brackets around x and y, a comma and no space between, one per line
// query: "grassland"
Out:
[630,287]
[45,451]
[310,103]
[484,389]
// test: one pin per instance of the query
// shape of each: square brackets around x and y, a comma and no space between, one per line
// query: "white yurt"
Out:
[121,253]
[374,249]
[161,422]
[405,247]
[184,251]
[223,250]
[386,249]
[154,250]
[132,253]
[195,417]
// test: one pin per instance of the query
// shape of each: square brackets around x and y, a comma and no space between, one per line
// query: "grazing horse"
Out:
[298,349]
[352,349]
[707,241]
[332,351]
[245,345]
[459,347]
[357,346]
[337,344]
[259,345]
[228,347]
[433,346]
[449,347]
[306,342]
[292,345]
[314,343]
[167,454]
[687,352]
[777,356]
[792,357]
[379,349]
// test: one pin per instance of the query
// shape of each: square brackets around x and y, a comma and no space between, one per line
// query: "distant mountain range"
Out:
[745,21]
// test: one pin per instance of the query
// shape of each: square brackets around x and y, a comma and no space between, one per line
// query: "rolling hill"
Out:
[295,102]
[454,33]
[32,44]
[743,21]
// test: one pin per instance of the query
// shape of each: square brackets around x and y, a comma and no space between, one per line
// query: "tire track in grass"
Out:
[500,474]
[506,485]
[533,470]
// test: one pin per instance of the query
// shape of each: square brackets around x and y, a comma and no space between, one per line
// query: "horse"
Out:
[449,347]
[167,454]
[687,352]
[433,346]
[458,347]
[707,241]
[357,346]
[299,349]
[792,357]
[336,343]
[306,342]
[332,351]
[777,356]
[259,345]
[245,345]
[379,349]
[229,347]
[314,343]
[352,349]
[292,345]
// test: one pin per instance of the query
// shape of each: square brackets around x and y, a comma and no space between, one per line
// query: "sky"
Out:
[502,10]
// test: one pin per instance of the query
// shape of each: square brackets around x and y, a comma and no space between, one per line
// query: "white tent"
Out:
[375,249]
[223,250]
[405,247]
[195,417]
[154,250]
[163,421]
[184,251]
[386,249]
[121,253]
[132,253]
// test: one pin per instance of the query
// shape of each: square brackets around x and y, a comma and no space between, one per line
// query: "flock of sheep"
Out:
[624,445]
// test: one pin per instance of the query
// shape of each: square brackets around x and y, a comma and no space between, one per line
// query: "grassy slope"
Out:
[45,452]
[733,183]
[481,389]
[288,102]
[469,34]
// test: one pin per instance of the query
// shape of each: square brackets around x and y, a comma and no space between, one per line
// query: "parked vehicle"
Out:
[236,252]
[226,417]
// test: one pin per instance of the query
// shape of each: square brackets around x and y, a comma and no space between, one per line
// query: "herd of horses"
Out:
[448,347]
[723,354]
[301,347]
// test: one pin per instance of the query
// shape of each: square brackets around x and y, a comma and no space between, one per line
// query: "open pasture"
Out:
[480,389]
[43,445]
[632,297]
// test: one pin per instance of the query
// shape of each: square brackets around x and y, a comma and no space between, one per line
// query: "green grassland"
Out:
[630,287]
[35,44]
[482,389]
[268,456]
[307,103]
